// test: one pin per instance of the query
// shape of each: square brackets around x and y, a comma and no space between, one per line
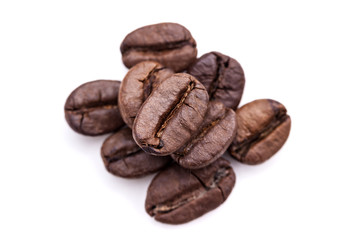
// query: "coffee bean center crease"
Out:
[221,68]
[149,80]
[173,111]
[198,137]
[160,47]
[119,155]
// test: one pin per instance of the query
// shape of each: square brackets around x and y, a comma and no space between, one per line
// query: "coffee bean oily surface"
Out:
[212,139]
[222,76]
[170,115]
[263,127]
[170,44]
[92,108]
[137,86]
[123,157]
[177,195]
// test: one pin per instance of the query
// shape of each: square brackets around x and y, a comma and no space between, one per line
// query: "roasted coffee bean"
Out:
[123,157]
[222,77]
[263,127]
[167,43]
[177,195]
[170,115]
[212,139]
[137,86]
[92,108]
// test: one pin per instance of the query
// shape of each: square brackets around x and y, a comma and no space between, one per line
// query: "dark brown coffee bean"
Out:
[170,115]
[123,157]
[263,127]
[222,77]
[137,86]
[212,139]
[92,108]
[177,195]
[167,43]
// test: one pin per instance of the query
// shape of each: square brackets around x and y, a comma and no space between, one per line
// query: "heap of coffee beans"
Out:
[174,114]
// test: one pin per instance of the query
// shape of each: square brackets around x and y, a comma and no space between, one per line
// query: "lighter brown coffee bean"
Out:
[263,128]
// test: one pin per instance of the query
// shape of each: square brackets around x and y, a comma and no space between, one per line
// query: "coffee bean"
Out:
[212,139]
[222,77]
[177,195]
[263,127]
[123,157]
[137,86]
[170,115]
[167,43]
[92,109]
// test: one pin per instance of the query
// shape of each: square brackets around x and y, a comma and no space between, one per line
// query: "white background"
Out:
[305,54]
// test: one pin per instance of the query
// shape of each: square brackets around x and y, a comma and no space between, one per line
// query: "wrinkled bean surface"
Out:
[170,115]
